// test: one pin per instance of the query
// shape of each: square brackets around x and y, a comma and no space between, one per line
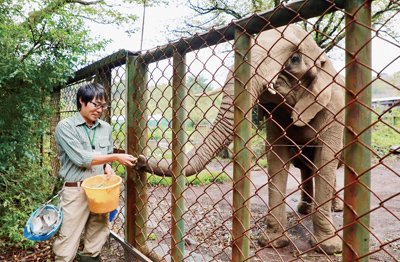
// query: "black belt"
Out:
[73,184]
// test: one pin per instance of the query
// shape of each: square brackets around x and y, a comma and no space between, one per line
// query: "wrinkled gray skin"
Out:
[301,96]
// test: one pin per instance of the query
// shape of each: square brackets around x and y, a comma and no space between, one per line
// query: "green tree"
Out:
[201,108]
[42,44]
[198,108]
[198,84]
[214,13]
[386,85]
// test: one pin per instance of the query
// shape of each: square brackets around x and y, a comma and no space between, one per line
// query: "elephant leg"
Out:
[337,203]
[276,220]
[307,192]
[324,230]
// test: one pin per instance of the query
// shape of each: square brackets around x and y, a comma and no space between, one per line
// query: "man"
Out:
[85,147]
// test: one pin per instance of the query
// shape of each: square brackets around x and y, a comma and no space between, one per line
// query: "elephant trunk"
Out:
[217,138]
[220,134]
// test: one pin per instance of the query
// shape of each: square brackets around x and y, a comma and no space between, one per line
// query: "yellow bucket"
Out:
[102,193]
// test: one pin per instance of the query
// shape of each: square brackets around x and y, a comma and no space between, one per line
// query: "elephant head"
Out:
[288,67]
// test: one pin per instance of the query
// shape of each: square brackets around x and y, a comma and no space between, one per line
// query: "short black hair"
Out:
[89,91]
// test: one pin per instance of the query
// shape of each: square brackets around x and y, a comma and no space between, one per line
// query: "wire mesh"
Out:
[113,79]
[296,175]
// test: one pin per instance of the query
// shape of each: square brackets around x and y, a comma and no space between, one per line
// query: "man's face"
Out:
[90,112]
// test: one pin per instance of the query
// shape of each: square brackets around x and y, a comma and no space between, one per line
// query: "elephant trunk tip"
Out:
[141,162]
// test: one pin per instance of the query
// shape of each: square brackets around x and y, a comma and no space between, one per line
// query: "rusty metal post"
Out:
[178,157]
[356,221]
[241,148]
[136,139]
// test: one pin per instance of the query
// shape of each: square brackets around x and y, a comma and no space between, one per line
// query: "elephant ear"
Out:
[318,92]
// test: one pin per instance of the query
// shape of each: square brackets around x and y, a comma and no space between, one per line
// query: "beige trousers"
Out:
[76,218]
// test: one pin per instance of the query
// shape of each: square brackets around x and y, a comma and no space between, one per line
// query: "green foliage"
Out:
[120,170]
[42,44]
[262,162]
[154,180]
[258,141]
[21,193]
[386,132]
[386,85]
[152,236]
[206,177]
[197,85]
[159,133]
[212,13]
[199,108]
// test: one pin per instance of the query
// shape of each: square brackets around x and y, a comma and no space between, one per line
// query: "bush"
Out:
[205,177]
[262,162]
[385,132]
[21,193]
[155,133]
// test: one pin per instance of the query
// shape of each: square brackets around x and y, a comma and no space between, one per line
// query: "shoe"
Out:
[88,259]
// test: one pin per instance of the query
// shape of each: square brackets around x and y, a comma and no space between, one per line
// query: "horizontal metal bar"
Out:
[253,24]
[111,61]
[136,253]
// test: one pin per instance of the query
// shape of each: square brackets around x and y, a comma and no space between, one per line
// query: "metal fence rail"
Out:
[164,108]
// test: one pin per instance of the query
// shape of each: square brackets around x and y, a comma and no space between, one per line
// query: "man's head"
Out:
[91,101]
[90,92]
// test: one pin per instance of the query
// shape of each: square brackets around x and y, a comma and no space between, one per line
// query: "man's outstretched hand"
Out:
[126,160]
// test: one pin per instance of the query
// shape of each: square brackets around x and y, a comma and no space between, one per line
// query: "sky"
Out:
[158,19]
[156,23]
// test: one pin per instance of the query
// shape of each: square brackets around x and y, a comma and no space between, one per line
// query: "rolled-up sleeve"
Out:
[68,143]
[111,147]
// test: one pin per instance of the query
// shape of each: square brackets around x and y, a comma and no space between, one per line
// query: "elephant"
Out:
[301,96]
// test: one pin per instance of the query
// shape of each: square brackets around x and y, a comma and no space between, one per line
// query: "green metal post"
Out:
[103,77]
[356,220]
[178,157]
[136,139]
[242,147]
[55,118]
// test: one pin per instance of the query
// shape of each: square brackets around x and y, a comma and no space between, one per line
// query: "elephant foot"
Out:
[304,208]
[337,205]
[282,241]
[330,246]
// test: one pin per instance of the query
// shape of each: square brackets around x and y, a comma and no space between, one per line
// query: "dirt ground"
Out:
[209,211]
[208,221]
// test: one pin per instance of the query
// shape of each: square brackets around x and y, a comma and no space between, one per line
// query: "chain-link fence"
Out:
[110,72]
[255,138]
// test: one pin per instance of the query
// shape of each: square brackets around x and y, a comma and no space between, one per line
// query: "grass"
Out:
[152,236]
[385,133]
[205,177]
[262,162]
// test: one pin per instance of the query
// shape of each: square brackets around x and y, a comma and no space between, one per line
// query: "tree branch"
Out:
[84,2]
[215,8]
[389,7]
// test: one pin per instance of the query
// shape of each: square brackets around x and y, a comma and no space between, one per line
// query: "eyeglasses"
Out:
[104,107]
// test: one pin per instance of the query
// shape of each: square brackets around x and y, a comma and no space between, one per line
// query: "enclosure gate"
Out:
[158,227]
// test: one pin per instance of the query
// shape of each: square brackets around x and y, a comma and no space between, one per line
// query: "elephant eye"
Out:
[295,58]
